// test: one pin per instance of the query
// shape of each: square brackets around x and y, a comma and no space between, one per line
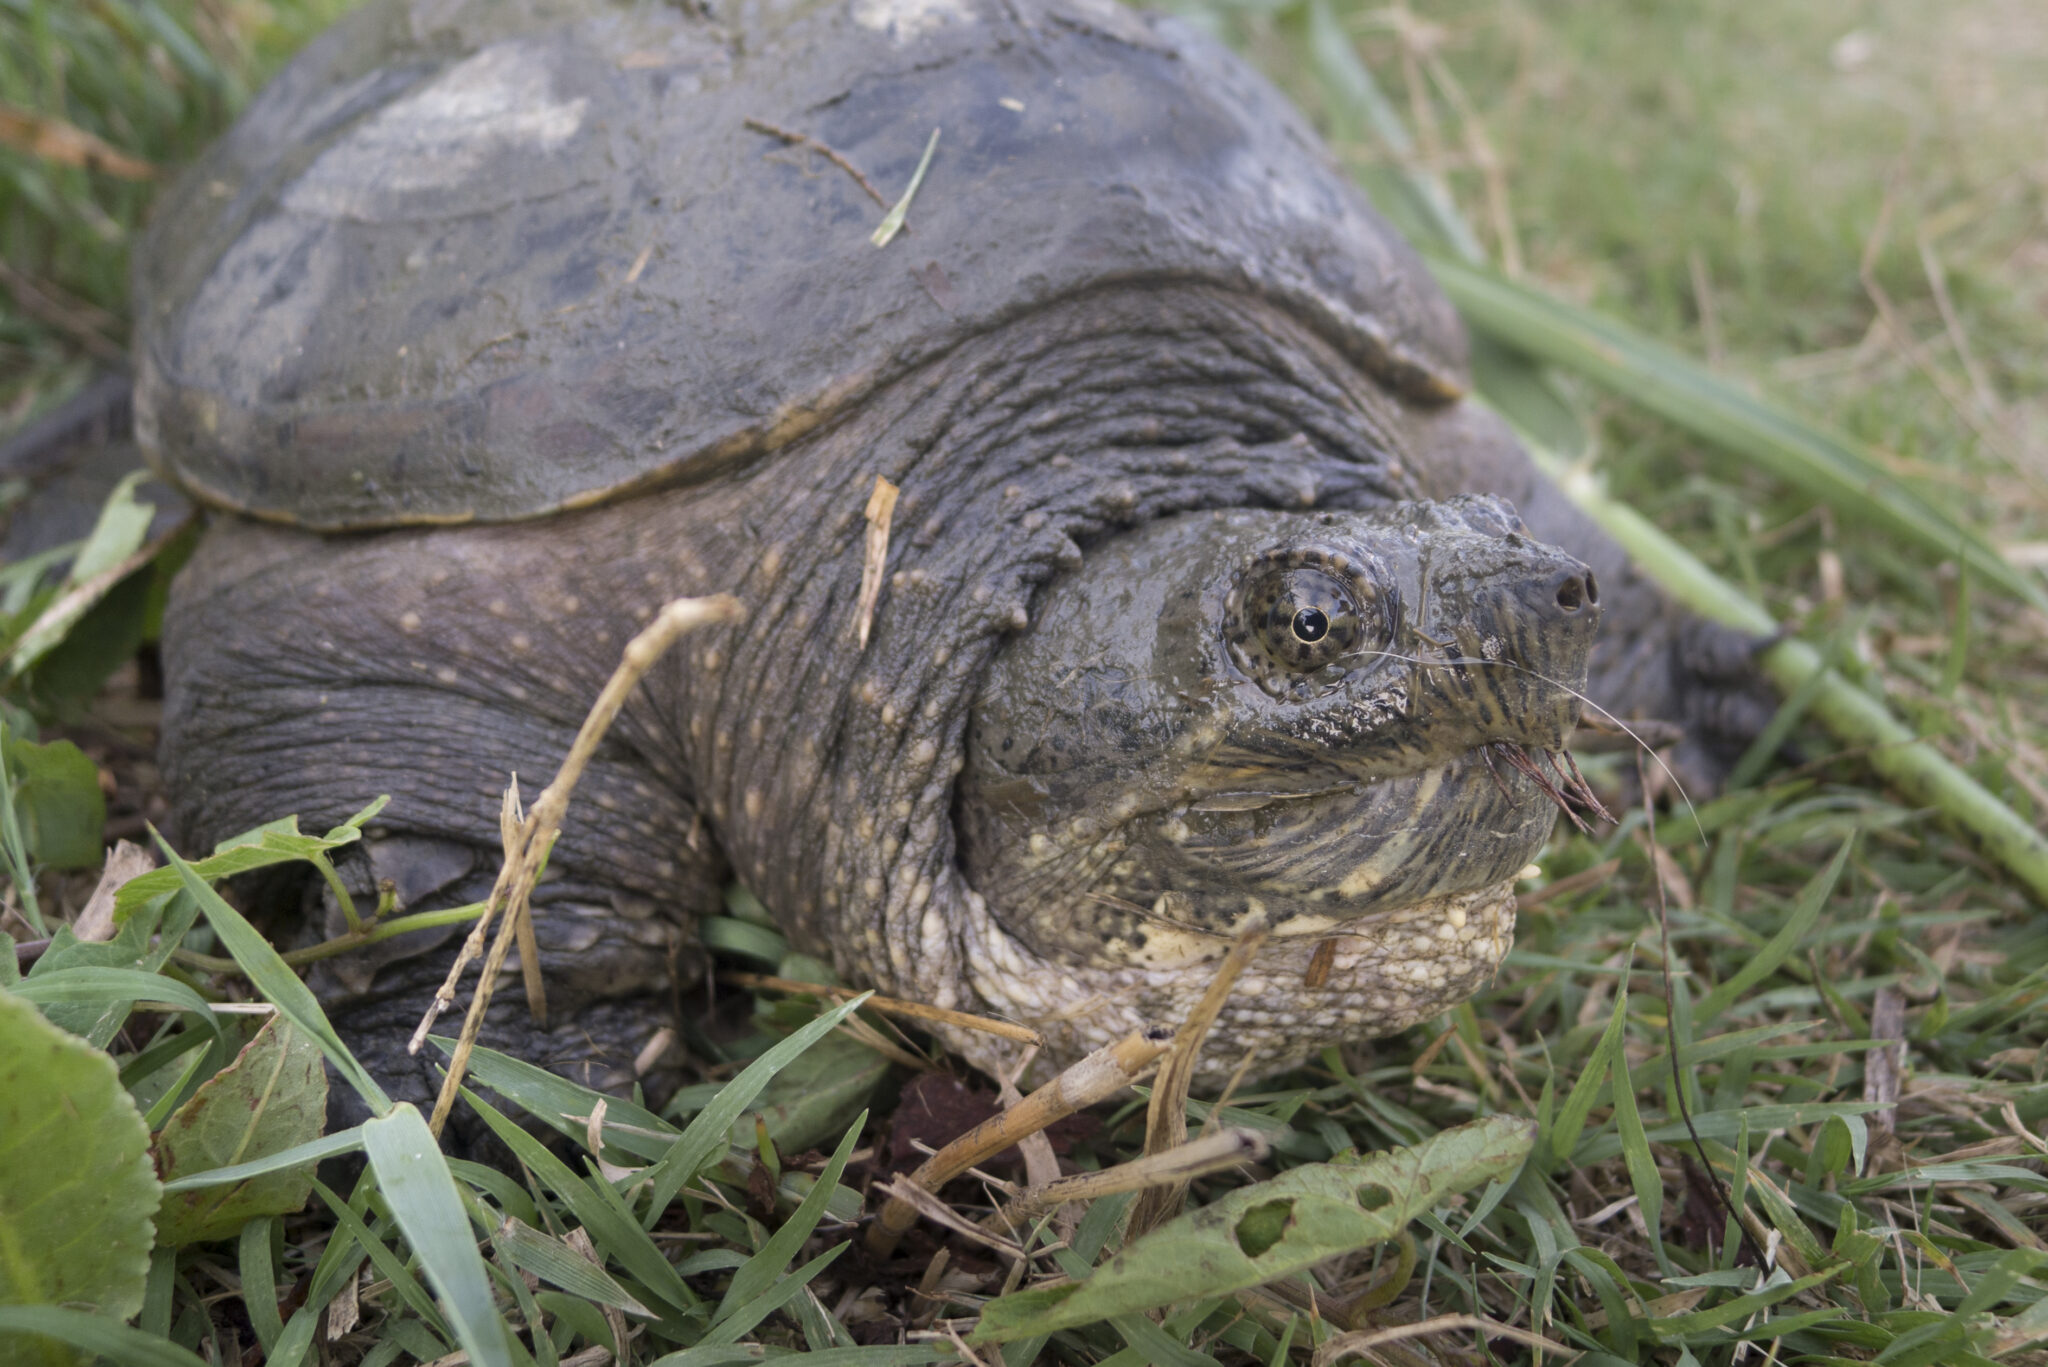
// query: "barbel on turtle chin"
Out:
[491,327]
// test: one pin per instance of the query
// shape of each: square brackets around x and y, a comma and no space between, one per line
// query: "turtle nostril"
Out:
[1574,593]
[1592,589]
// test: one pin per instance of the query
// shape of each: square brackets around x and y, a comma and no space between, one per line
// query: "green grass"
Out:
[1715,176]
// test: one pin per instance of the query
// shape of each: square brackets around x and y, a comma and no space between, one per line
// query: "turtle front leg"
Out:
[611,961]
[308,675]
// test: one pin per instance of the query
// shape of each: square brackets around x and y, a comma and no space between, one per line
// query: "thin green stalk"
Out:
[1919,771]
[341,944]
[13,848]
[1834,468]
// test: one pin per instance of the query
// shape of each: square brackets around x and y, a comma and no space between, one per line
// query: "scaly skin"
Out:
[308,673]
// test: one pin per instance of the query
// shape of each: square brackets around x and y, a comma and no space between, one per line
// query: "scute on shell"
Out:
[484,261]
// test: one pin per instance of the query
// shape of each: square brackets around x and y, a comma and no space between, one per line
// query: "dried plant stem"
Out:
[1176,1167]
[1361,1341]
[836,158]
[1097,1077]
[892,1006]
[528,842]
[881,508]
[1166,1118]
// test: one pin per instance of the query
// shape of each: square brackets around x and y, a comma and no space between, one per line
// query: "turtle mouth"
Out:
[1337,859]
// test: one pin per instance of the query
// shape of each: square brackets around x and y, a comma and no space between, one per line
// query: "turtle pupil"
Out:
[1311,625]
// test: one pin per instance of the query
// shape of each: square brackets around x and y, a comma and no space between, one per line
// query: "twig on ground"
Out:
[1176,1167]
[1095,1078]
[891,1006]
[1166,1118]
[1361,1341]
[1881,1065]
[527,849]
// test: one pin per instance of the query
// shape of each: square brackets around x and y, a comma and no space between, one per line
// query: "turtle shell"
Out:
[484,261]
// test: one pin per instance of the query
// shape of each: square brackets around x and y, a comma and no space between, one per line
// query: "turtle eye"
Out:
[1301,618]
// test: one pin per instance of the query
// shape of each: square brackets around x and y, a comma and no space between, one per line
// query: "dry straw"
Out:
[529,839]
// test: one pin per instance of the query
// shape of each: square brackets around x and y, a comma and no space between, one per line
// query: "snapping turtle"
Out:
[491,327]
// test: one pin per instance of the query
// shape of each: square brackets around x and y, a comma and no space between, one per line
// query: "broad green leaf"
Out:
[141,944]
[1271,1229]
[76,1189]
[122,527]
[272,1098]
[415,1179]
[58,801]
[123,523]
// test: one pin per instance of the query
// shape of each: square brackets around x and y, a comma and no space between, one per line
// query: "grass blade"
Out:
[404,1284]
[892,222]
[768,1302]
[114,986]
[709,1133]
[274,978]
[617,1236]
[326,1146]
[95,1334]
[415,1179]
[764,1267]
[1833,467]
[1919,771]
[1760,965]
[553,1261]
[1578,1103]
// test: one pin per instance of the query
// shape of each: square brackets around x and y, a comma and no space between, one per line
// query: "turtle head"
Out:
[1323,720]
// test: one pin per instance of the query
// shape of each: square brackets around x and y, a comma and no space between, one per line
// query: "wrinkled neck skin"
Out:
[829,772]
